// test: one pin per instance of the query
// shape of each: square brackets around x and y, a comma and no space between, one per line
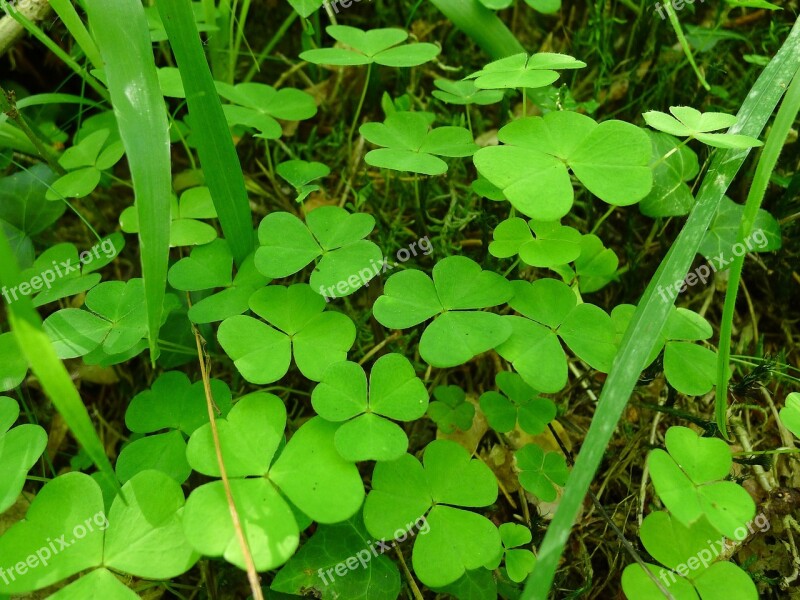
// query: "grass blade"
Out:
[121,32]
[652,311]
[481,24]
[218,158]
[48,368]
[766,163]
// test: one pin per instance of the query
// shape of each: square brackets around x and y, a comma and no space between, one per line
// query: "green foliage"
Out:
[346,260]
[300,173]
[688,482]
[540,472]
[258,105]
[84,162]
[518,402]
[409,143]
[533,165]
[673,166]
[379,46]
[464,93]
[450,410]
[404,490]
[20,448]
[686,121]
[523,71]
[395,392]
[790,414]
[722,235]
[519,562]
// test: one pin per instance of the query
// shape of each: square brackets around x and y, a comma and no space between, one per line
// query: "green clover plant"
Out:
[518,402]
[20,448]
[541,472]
[689,122]
[518,562]
[450,410]
[379,46]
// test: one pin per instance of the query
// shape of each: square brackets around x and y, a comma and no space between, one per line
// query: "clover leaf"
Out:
[596,266]
[258,106]
[551,311]
[523,71]
[302,327]
[20,448]
[395,392]
[459,287]
[68,512]
[686,121]
[687,481]
[532,166]
[308,472]
[347,263]
[173,404]
[313,566]
[404,490]
[540,472]
[464,93]
[84,163]
[379,46]
[673,165]
[101,583]
[719,243]
[409,143]
[554,244]
[518,402]
[690,553]
[13,365]
[300,173]
[790,414]
[451,410]
[519,563]
[186,226]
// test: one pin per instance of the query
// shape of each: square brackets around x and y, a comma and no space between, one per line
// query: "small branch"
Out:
[252,574]
[8,105]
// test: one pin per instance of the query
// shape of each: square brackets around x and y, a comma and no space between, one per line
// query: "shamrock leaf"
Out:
[532,166]
[13,366]
[20,448]
[687,481]
[174,404]
[790,414]
[309,472]
[186,228]
[721,238]
[690,553]
[518,402]
[258,106]
[380,46]
[686,121]
[519,563]
[540,472]
[673,165]
[84,163]
[464,93]
[551,311]
[395,392]
[596,266]
[404,490]
[316,566]
[302,327]
[523,71]
[459,332]
[101,583]
[347,261]
[451,410]
[409,143]
[300,173]
[208,267]
[553,245]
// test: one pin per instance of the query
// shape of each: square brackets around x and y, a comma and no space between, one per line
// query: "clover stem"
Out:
[671,152]
[418,201]
[469,120]
[602,219]
[411,583]
[358,109]
[524,103]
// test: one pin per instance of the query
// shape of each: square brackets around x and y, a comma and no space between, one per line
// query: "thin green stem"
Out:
[676,25]
[358,110]
[256,66]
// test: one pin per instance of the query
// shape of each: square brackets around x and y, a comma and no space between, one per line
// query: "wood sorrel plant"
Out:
[349,404]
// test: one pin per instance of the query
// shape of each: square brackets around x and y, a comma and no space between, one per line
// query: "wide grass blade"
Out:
[652,311]
[766,163]
[218,158]
[38,350]
[121,32]
[482,25]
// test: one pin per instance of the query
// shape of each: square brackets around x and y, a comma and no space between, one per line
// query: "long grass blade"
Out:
[121,33]
[766,163]
[218,158]
[652,311]
[483,26]
[37,349]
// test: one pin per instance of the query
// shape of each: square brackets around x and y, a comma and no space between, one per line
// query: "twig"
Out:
[8,105]
[252,574]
